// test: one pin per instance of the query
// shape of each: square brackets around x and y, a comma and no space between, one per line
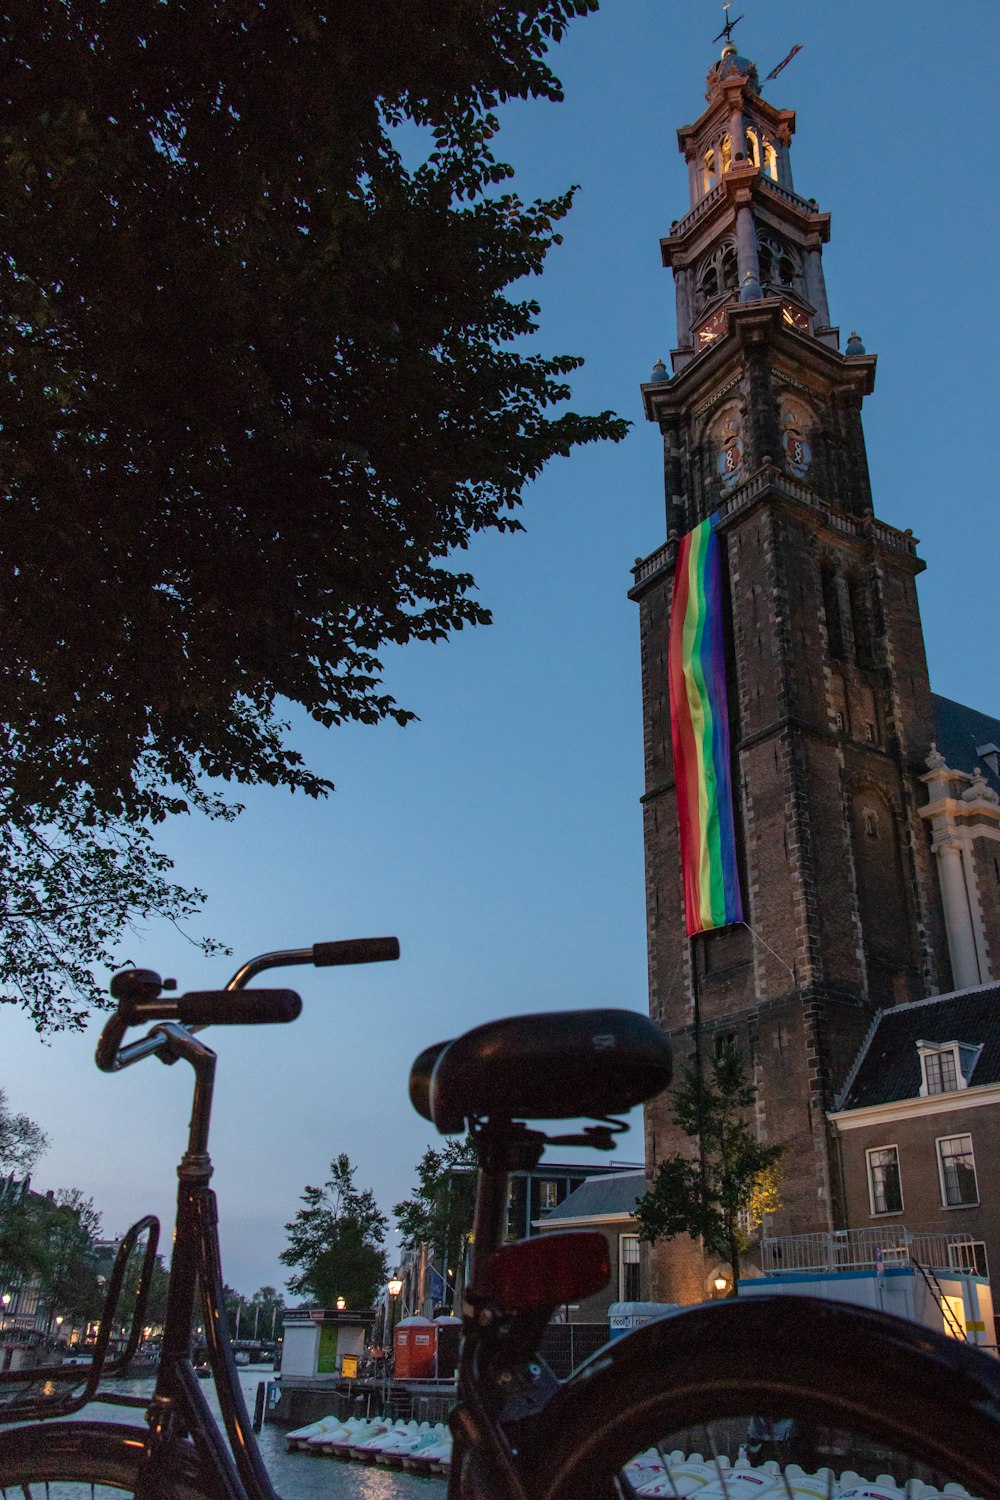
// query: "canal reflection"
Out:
[296,1476]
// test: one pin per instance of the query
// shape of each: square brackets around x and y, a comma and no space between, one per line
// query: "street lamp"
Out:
[341,1304]
[393,1287]
[5,1304]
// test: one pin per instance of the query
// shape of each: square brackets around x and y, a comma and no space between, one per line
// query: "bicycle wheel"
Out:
[74,1460]
[786,1397]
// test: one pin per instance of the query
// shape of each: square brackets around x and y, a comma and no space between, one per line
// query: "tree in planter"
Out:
[722,1194]
[336,1240]
[263,381]
[439,1215]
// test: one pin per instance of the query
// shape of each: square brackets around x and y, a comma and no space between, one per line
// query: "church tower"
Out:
[829,704]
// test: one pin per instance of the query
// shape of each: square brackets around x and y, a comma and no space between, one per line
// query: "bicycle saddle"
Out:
[555,1066]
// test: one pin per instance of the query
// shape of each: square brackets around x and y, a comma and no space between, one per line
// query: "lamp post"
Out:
[341,1304]
[393,1287]
[5,1304]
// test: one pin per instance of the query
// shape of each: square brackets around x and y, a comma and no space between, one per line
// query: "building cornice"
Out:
[974,1097]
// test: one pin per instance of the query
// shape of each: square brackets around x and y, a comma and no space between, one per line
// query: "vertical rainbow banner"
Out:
[699,721]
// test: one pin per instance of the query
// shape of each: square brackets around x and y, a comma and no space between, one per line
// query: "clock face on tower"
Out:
[711,329]
[794,317]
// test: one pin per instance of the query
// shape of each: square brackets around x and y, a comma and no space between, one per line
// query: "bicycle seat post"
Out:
[503,1146]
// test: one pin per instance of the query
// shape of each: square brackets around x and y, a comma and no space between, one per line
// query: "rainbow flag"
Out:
[699,722]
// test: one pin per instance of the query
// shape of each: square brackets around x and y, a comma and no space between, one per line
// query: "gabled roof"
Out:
[600,1197]
[888,1065]
[959,730]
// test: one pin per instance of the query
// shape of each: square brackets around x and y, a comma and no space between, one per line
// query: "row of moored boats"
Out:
[685,1475]
[422,1446]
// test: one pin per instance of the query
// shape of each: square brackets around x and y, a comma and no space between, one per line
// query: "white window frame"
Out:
[622,1263]
[883,1213]
[548,1187]
[961,1135]
[964,1055]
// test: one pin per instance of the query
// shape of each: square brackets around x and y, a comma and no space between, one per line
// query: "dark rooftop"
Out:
[959,730]
[888,1065]
[600,1196]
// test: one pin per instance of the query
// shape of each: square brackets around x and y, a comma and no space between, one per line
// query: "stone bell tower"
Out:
[831,718]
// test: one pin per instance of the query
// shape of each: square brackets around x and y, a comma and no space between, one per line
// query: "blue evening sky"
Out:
[500,837]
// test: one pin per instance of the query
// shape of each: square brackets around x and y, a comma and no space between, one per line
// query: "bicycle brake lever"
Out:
[598,1137]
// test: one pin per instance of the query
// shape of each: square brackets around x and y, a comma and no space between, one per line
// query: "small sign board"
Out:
[349,1367]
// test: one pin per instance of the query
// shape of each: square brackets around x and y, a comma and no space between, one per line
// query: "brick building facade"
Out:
[917,1127]
[844,864]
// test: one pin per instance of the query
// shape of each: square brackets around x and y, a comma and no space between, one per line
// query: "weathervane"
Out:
[727,30]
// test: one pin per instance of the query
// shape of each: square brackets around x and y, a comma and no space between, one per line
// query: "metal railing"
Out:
[863,1249]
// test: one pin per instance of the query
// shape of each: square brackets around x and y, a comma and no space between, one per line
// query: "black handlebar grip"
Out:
[356,951]
[237,1007]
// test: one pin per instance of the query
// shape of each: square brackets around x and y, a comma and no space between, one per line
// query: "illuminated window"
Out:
[727,154]
[770,161]
[753,148]
[885,1188]
[628,1267]
[709,172]
[548,1196]
[957,1170]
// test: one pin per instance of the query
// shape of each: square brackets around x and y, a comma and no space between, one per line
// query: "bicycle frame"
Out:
[503,1385]
[178,1408]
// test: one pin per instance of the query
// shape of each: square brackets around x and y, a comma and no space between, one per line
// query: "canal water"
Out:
[296,1476]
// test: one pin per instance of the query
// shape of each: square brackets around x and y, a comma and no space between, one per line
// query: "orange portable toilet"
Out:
[414,1345]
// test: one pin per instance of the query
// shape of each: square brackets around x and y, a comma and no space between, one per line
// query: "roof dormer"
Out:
[946,1066]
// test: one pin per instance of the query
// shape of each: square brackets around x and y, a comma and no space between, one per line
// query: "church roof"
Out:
[600,1197]
[959,731]
[888,1066]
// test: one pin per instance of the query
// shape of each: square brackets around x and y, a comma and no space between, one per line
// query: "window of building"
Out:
[753,149]
[871,823]
[770,161]
[709,171]
[969,1256]
[548,1196]
[946,1066]
[885,1188]
[628,1268]
[957,1169]
[726,154]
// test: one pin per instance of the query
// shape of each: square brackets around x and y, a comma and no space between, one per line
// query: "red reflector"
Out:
[549,1269]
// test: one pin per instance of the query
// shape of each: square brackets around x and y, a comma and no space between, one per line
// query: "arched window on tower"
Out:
[777,261]
[831,609]
[718,272]
[882,899]
[709,173]
[770,161]
[727,153]
[730,268]
[860,621]
[753,148]
[765,263]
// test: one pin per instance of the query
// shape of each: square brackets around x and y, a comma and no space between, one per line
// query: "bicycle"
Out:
[180,1454]
[665,1410]
[671,1408]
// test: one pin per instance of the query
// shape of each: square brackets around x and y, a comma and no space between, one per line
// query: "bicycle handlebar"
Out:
[203,1008]
[252,1007]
